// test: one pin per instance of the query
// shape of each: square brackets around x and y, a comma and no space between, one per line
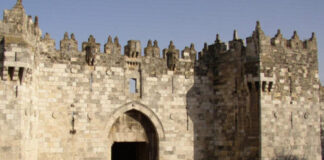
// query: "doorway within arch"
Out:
[134,137]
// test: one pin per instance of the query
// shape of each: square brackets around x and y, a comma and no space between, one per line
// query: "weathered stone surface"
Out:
[255,101]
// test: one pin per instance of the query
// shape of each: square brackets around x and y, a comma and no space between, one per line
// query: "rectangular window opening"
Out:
[132,85]
[11,71]
[264,83]
[257,86]
[270,86]
[21,74]
[250,86]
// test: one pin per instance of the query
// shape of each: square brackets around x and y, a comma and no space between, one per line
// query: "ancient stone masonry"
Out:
[258,99]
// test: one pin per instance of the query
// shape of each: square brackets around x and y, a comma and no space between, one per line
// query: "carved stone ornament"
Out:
[171,116]
[73,69]
[109,72]
[275,115]
[89,116]
[306,115]
[54,115]
[26,112]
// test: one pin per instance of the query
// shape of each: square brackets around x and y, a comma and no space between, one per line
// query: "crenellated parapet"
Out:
[278,39]
[204,51]
[48,44]
[21,40]
[260,59]
[189,53]
[133,49]
[260,46]
[152,50]
[219,47]
[17,22]
[237,44]
[258,38]
[112,47]
[111,57]
[311,43]
[254,43]
[171,55]
[68,45]
[220,52]
[91,48]
[294,42]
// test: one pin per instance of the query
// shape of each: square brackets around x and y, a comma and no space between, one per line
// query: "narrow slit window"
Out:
[270,86]
[132,85]
[257,85]
[264,86]
[250,86]
[11,71]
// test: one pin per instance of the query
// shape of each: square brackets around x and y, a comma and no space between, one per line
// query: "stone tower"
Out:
[235,101]
[266,96]
[19,36]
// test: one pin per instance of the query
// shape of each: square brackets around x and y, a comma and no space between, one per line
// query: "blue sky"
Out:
[183,21]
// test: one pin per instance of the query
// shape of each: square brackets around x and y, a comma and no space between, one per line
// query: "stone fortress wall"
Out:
[255,101]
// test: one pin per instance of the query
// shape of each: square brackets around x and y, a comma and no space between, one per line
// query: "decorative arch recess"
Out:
[138,107]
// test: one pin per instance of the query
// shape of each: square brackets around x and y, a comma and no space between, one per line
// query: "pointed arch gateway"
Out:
[134,132]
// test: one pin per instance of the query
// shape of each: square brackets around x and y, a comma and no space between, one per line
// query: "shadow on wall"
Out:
[322,118]
[201,112]
[221,105]
[198,103]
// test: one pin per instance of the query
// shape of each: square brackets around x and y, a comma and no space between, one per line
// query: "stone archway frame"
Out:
[138,107]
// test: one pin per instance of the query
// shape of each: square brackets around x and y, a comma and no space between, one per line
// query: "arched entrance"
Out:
[133,137]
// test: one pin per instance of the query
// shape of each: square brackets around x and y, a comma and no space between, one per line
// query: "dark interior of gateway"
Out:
[137,150]
[130,151]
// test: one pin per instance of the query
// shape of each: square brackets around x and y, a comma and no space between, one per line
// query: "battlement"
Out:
[112,47]
[257,47]
[260,45]
[294,42]
[17,22]
[133,56]
[133,48]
